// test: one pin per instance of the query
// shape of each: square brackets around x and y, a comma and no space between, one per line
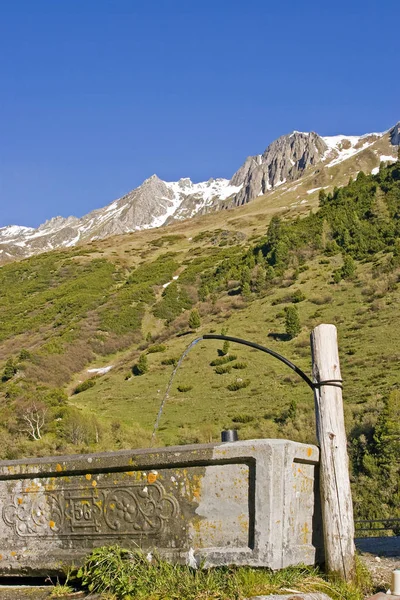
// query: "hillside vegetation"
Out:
[129,308]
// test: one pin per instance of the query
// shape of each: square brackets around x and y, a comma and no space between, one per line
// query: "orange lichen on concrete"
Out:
[305,533]
[58,467]
[88,476]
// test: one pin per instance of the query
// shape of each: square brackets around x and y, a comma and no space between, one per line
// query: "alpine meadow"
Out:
[90,335]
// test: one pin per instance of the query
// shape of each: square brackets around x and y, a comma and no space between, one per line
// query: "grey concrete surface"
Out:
[246,503]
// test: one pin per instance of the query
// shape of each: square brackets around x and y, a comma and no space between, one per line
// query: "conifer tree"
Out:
[142,366]
[10,370]
[292,322]
[260,280]
[194,319]
[246,291]
[349,267]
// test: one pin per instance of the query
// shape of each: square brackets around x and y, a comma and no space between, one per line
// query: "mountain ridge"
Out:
[156,202]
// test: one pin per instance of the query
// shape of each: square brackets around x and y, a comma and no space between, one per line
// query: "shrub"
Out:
[225,348]
[10,370]
[240,365]
[85,385]
[242,418]
[156,348]
[141,366]
[298,296]
[320,300]
[170,361]
[347,271]
[238,384]
[24,354]
[174,301]
[194,319]
[78,428]
[223,360]
[292,322]
[246,291]
[223,369]
[184,388]
[349,267]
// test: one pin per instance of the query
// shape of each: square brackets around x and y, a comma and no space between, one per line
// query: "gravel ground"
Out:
[381,556]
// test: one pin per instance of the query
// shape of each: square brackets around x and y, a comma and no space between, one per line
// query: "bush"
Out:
[85,385]
[170,361]
[24,354]
[223,360]
[298,296]
[320,300]
[238,384]
[174,301]
[242,418]
[194,319]
[156,348]
[223,369]
[292,322]
[240,365]
[184,388]
[10,370]
[347,271]
[141,366]
[225,348]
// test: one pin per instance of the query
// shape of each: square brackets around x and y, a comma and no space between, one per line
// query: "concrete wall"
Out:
[245,503]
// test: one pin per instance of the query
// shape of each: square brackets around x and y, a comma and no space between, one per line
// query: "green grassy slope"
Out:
[104,304]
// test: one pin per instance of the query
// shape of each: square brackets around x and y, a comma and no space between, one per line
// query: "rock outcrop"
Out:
[395,135]
[284,160]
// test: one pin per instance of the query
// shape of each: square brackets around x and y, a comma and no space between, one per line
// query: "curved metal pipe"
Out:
[288,363]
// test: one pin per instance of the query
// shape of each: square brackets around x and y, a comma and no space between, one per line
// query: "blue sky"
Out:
[97,95]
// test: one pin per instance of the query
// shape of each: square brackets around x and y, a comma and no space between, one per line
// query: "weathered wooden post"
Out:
[337,505]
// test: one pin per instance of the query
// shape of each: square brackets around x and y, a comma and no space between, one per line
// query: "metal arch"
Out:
[287,362]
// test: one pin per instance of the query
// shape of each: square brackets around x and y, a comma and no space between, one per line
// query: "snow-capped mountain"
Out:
[157,202]
[287,158]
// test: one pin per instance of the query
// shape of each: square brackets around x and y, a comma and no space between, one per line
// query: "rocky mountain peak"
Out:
[283,160]
[395,135]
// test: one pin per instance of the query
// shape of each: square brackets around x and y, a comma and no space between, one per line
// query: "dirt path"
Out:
[381,556]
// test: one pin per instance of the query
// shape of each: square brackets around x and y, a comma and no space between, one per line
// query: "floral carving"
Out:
[136,509]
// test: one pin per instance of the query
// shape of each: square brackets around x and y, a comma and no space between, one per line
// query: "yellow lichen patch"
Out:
[13,553]
[58,467]
[20,500]
[305,533]
[151,477]
[130,473]
[88,476]
[52,524]
[94,483]
[309,451]
[1,557]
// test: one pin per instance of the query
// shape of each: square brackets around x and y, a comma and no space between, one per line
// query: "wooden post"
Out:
[337,505]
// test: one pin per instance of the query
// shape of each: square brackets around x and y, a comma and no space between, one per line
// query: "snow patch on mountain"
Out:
[387,158]
[14,231]
[342,147]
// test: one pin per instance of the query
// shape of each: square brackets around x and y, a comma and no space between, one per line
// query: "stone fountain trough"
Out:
[245,503]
